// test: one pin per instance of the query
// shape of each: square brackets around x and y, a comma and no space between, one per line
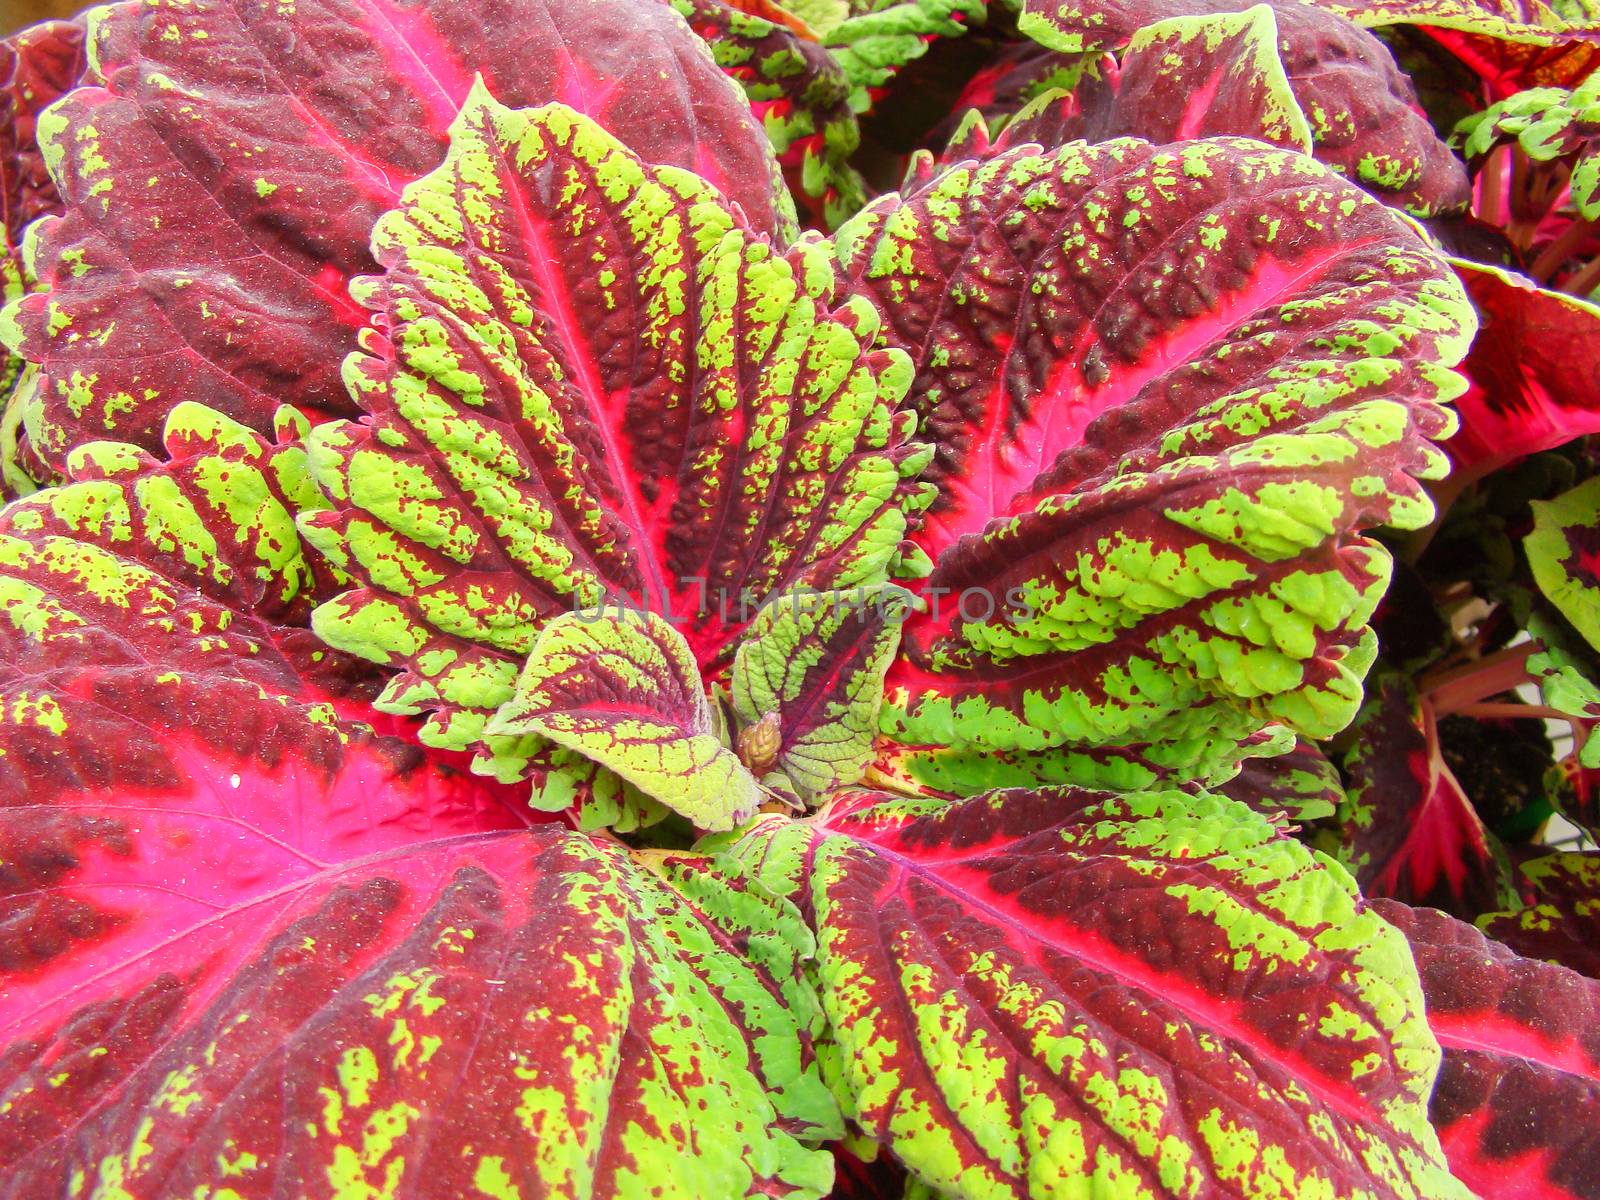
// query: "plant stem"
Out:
[1513,711]
[1492,187]
[1553,256]
[1449,691]
[1583,282]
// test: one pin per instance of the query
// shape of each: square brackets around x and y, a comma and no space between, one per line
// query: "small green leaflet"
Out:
[816,661]
[623,690]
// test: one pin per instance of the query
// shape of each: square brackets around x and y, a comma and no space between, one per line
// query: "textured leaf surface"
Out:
[801,94]
[1561,924]
[36,67]
[1300,786]
[595,382]
[1533,374]
[1176,381]
[1517,1105]
[1059,993]
[1200,76]
[248,946]
[1215,75]
[816,662]
[881,37]
[1514,20]
[1362,110]
[1564,555]
[1405,827]
[222,185]
[625,692]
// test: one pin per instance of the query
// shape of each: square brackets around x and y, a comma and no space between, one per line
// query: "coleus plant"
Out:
[527,676]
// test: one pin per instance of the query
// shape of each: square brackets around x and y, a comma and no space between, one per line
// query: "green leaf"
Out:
[623,690]
[595,381]
[816,662]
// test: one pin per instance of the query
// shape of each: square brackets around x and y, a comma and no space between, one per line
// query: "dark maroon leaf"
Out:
[1363,112]
[1561,921]
[1405,828]
[1517,1104]
[222,185]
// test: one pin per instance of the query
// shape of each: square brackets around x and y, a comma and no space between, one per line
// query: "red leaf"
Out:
[222,184]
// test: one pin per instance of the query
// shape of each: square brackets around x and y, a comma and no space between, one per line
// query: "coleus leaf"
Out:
[1405,827]
[222,184]
[1182,78]
[1561,923]
[813,663]
[1574,790]
[224,898]
[1300,786]
[1361,109]
[1531,21]
[1530,370]
[605,386]
[881,37]
[1200,76]
[1564,555]
[799,92]
[624,690]
[1517,1105]
[37,66]
[1038,993]
[1505,67]
[1165,385]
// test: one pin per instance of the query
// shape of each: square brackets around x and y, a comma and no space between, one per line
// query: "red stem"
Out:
[1492,186]
[1584,280]
[1554,256]
[1449,691]
[1514,711]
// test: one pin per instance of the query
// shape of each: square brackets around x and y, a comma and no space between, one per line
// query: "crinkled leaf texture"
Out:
[800,92]
[1517,1105]
[222,183]
[596,382]
[36,67]
[250,947]
[1071,993]
[1166,386]
[1360,108]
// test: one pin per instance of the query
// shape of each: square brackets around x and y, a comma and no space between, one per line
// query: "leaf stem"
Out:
[1554,256]
[1513,711]
[1492,187]
[1450,691]
[1584,280]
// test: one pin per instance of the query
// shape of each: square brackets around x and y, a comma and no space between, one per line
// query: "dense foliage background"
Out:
[882,598]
